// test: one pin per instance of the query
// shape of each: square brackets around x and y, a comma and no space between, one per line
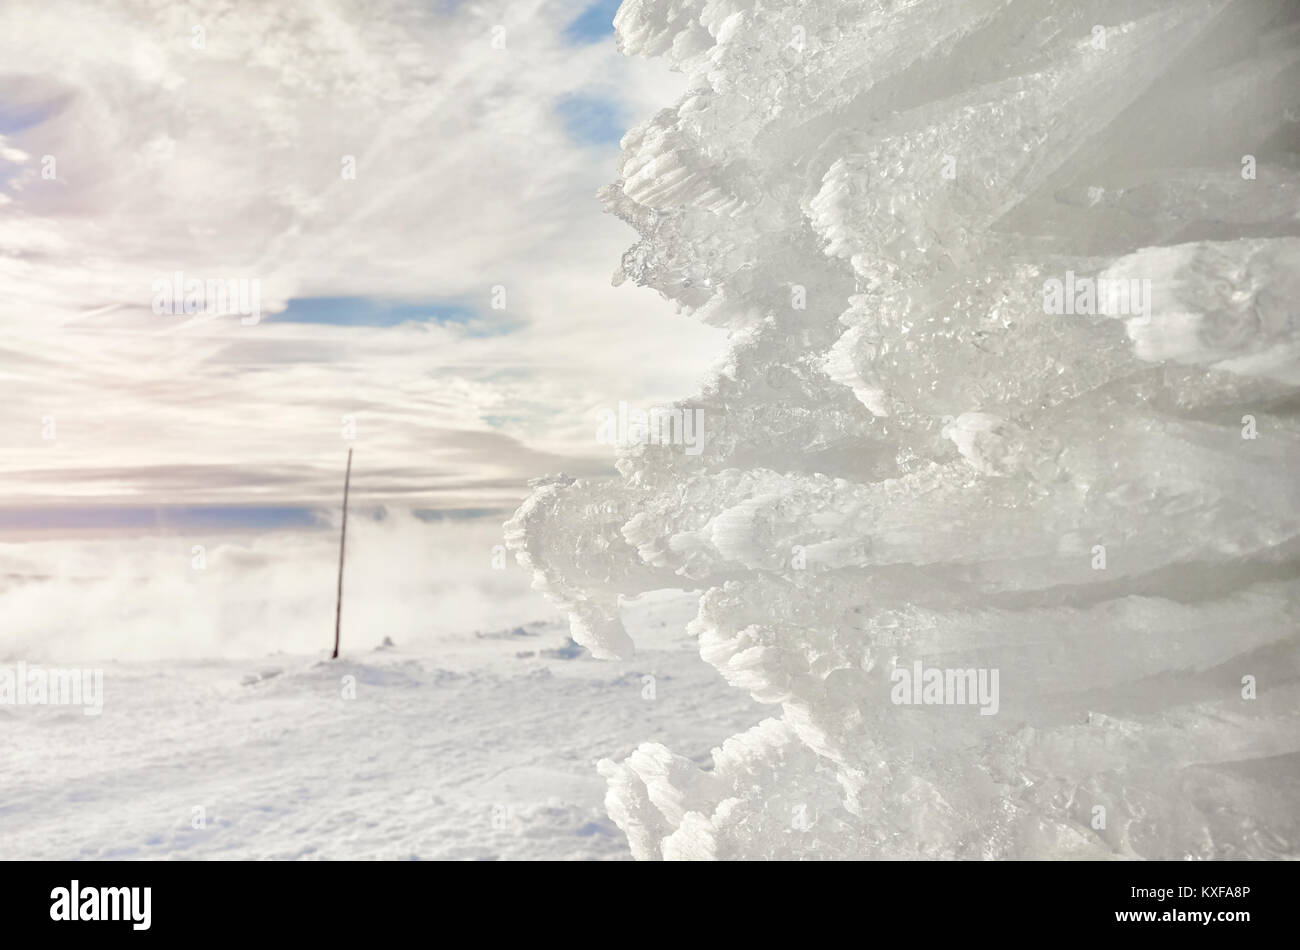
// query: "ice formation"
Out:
[1013,290]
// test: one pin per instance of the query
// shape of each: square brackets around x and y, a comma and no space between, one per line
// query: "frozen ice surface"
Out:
[1013,289]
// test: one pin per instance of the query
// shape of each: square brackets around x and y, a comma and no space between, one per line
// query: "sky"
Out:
[404,194]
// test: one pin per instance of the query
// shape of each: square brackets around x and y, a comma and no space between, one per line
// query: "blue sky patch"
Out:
[590,120]
[594,23]
[15,118]
[161,518]
[372,311]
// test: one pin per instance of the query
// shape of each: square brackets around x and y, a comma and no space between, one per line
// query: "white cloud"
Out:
[225,162]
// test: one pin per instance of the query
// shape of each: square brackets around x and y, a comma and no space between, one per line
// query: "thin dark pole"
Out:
[343,541]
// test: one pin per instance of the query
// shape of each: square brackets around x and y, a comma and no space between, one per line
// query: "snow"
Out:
[475,753]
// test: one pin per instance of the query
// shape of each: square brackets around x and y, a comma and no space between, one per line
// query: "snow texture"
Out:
[482,750]
[918,451]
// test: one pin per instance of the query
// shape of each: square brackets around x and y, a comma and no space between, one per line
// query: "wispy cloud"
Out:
[448,305]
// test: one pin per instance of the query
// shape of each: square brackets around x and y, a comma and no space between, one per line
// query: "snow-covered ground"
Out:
[486,750]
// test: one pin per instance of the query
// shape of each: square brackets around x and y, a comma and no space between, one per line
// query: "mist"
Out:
[70,600]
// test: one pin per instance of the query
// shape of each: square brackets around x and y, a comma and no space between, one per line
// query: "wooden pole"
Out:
[343,540]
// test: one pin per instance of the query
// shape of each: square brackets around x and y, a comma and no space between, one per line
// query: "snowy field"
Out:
[485,751]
